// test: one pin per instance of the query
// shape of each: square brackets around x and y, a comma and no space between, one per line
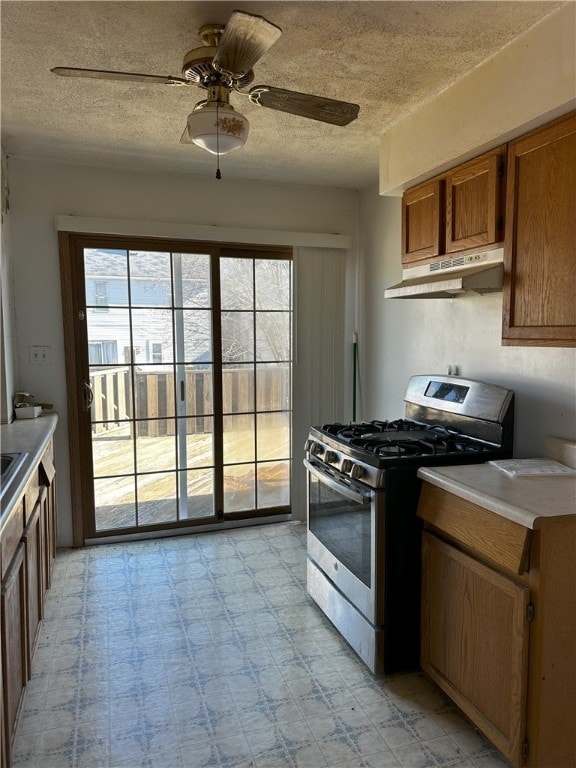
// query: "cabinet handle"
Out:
[88,395]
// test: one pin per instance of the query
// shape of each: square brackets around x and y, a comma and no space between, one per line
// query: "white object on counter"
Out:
[532,467]
[28,411]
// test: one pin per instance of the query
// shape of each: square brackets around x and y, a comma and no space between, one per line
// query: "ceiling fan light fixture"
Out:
[217,127]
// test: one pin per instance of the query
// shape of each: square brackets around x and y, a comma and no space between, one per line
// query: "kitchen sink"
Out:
[10,464]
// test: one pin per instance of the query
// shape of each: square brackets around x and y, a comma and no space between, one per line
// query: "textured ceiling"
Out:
[388,57]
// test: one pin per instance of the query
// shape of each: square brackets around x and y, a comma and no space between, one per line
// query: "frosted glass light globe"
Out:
[217,129]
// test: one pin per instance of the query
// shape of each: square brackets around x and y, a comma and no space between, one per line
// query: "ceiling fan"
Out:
[224,64]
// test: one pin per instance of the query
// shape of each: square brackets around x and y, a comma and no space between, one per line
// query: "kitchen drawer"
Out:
[494,538]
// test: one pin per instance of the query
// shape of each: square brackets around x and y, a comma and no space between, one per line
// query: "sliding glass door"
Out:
[183,368]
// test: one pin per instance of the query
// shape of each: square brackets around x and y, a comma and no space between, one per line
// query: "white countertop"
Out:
[523,499]
[24,436]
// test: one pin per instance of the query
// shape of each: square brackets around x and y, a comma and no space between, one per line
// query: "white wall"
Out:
[401,337]
[40,191]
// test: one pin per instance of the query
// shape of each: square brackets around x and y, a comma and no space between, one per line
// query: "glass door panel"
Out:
[256,363]
[199,442]
[273,435]
[239,439]
[273,484]
[239,488]
[157,498]
[273,284]
[198,500]
[149,327]
[238,388]
[180,435]
[114,503]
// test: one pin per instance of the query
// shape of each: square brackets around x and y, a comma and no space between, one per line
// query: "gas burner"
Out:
[403,448]
[351,433]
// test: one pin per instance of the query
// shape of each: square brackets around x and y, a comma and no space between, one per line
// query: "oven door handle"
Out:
[359,496]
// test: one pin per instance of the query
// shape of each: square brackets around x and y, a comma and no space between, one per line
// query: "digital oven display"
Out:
[451,393]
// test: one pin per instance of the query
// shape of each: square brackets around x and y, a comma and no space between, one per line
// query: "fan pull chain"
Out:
[218,174]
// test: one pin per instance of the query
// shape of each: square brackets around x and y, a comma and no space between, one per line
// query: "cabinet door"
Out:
[13,622]
[473,203]
[540,246]
[421,222]
[475,641]
[35,568]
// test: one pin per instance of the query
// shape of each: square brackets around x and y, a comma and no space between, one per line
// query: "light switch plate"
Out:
[39,355]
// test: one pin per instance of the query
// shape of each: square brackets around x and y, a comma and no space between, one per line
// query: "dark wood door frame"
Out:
[71,248]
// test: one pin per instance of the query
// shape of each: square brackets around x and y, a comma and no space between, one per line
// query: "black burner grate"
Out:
[402,438]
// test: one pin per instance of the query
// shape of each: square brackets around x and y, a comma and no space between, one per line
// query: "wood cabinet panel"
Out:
[497,540]
[422,222]
[474,203]
[475,641]
[540,251]
[13,621]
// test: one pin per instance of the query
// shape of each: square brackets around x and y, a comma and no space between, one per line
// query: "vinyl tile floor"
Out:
[204,651]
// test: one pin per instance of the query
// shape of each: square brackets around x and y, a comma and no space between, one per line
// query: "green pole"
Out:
[354,363]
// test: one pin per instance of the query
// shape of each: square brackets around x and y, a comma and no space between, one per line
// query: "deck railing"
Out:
[155,397]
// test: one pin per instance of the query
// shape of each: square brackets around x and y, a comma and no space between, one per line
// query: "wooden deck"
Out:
[125,465]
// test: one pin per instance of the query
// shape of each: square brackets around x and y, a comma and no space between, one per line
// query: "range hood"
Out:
[480,272]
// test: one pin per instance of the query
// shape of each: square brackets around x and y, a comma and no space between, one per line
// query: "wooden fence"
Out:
[154,397]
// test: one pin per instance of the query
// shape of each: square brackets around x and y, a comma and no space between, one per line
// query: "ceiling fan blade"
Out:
[245,39]
[185,138]
[103,74]
[305,105]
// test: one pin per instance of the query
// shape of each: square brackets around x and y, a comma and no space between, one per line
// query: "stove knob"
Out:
[357,472]
[316,449]
[330,457]
[346,466]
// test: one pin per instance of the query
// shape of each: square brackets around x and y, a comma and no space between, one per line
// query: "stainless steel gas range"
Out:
[363,538]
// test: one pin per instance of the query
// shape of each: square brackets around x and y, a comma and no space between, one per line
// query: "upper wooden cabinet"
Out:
[540,251]
[422,222]
[456,211]
[474,203]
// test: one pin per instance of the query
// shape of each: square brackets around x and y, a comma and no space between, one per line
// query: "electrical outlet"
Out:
[39,355]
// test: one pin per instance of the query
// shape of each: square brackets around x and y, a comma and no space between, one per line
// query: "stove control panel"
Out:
[350,467]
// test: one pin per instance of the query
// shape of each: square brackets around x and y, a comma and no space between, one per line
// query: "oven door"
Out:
[345,535]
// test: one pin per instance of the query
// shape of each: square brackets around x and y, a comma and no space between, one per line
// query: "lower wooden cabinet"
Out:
[14,641]
[28,553]
[499,624]
[475,641]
